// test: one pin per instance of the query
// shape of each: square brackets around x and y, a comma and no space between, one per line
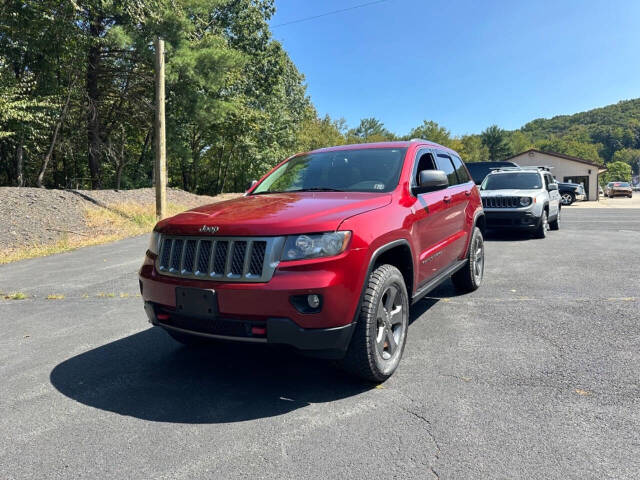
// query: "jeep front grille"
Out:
[501,202]
[226,259]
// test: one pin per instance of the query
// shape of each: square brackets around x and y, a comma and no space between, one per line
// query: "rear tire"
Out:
[469,277]
[381,330]
[543,226]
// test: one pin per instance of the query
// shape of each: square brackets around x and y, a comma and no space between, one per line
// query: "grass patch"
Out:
[106,225]
[15,296]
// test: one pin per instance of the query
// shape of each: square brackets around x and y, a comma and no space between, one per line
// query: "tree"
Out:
[495,139]
[519,142]
[370,130]
[617,172]
[630,156]
[472,149]
[316,132]
[430,130]
[587,151]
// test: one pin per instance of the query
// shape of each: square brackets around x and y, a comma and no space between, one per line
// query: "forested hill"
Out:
[624,115]
[616,127]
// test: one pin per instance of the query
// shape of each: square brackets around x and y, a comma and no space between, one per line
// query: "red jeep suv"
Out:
[325,253]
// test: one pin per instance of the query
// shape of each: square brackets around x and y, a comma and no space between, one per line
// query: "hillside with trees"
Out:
[77,100]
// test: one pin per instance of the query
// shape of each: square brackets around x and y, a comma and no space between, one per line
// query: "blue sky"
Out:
[464,64]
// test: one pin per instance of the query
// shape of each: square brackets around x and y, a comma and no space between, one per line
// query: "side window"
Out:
[461,171]
[425,162]
[547,180]
[444,163]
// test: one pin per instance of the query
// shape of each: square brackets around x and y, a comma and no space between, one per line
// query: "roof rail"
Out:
[518,169]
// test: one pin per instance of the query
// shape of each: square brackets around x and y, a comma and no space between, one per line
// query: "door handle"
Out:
[447,198]
[467,193]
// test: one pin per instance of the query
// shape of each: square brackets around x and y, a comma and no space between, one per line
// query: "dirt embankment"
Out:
[34,218]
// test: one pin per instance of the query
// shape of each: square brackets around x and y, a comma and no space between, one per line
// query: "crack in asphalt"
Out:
[427,429]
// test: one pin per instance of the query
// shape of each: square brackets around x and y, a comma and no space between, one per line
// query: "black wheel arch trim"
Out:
[372,261]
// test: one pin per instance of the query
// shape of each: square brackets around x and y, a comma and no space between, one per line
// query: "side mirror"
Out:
[430,181]
[552,186]
[250,185]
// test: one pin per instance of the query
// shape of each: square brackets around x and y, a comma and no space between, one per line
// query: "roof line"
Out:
[560,155]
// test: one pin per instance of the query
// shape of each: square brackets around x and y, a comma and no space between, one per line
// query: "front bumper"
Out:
[321,342]
[516,219]
[271,305]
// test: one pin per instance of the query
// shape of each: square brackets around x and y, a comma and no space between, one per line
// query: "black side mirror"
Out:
[430,181]
[552,186]
[250,185]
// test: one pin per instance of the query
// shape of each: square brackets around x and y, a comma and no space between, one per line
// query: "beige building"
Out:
[565,168]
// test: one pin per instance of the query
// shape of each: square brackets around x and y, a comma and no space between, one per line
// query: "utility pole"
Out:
[161,144]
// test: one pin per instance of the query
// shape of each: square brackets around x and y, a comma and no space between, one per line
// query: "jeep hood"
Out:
[512,192]
[275,214]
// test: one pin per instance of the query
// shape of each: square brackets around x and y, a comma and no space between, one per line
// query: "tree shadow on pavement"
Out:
[149,376]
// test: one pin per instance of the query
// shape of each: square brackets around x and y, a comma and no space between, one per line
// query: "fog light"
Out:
[313,301]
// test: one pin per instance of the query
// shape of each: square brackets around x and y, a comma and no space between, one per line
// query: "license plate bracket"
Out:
[196,302]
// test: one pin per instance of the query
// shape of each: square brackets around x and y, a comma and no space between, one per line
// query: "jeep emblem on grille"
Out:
[209,229]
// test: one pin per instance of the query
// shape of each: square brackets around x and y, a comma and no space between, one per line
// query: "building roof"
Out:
[561,155]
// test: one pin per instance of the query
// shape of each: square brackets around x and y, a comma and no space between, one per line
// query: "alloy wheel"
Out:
[390,323]
[478,259]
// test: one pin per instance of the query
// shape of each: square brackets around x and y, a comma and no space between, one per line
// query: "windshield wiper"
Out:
[316,189]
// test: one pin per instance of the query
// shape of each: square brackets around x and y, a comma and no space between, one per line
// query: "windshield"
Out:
[362,170]
[621,184]
[507,181]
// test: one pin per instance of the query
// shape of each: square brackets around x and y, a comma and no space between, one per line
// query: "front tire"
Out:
[555,224]
[543,226]
[567,198]
[381,330]
[469,277]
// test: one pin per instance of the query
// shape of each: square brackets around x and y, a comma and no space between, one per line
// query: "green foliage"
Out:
[630,156]
[370,130]
[617,172]
[495,139]
[77,100]
[430,130]
[472,149]
[587,151]
[614,127]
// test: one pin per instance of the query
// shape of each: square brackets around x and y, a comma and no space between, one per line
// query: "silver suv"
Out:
[521,198]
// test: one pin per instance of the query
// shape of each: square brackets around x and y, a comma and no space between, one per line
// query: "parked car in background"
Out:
[325,254]
[479,170]
[570,192]
[525,198]
[618,189]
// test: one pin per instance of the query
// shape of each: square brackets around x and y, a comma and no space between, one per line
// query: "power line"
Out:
[362,5]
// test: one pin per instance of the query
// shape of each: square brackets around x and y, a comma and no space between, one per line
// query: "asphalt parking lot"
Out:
[535,375]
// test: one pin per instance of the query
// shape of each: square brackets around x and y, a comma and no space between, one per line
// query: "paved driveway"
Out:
[536,375]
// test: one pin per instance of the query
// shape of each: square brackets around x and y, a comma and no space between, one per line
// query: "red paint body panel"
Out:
[436,225]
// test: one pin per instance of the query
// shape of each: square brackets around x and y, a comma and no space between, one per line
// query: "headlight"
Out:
[298,247]
[154,242]
[525,201]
